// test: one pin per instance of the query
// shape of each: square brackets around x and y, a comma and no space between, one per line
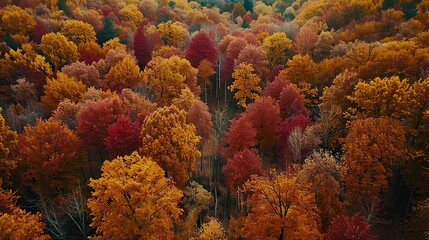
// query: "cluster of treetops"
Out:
[272,119]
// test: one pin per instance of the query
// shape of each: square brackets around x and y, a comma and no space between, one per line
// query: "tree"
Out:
[58,49]
[122,138]
[248,5]
[78,32]
[305,40]
[199,115]
[172,33]
[15,20]
[240,136]
[348,228]
[372,149]
[212,230]
[108,32]
[276,48]
[246,83]
[171,142]
[87,74]
[301,69]
[240,167]
[90,52]
[254,55]
[264,115]
[142,48]
[61,88]
[205,71]
[16,223]
[417,225]
[131,15]
[385,97]
[291,102]
[94,118]
[8,148]
[322,171]
[281,207]
[201,47]
[51,158]
[124,74]
[133,200]
[168,76]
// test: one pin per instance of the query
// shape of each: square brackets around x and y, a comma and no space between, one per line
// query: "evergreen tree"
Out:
[108,32]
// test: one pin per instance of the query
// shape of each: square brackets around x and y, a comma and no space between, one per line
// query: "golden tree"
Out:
[168,76]
[172,33]
[212,230]
[131,15]
[382,97]
[133,200]
[301,69]
[8,148]
[246,83]
[281,207]
[16,223]
[61,88]
[78,32]
[276,48]
[15,20]
[171,142]
[59,50]
[373,147]
[125,74]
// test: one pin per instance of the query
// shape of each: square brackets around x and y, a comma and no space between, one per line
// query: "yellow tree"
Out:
[61,88]
[171,142]
[8,148]
[133,200]
[301,69]
[125,74]
[246,82]
[373,147]
[78,32]
[382,97]
[281,207]
[168,76]
[15,20]
[131,15]
[276,48]
[172,33]
[16,223]
[58,49]
[212,230]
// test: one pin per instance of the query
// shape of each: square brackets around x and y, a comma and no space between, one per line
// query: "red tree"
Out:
[275,88]
[142,48]
[94,119]
[240,167]
[349,228]
[122,138]
[291,102]
[264,115]
[199,115]
[201,47]
[38,32]
[275,72]
[239,136]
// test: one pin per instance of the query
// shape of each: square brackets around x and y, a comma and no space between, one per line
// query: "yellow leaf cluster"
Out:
[168,76]
[16,20]
[172,33]
[78,32]
[61,88]
[16,223]
[171,142]
[26,56]
[282,207]
[59,50]
[124,74]
[246,82]
[8,146]
[301,69]
[276,47]
[212,230]
[133,200]
[131,15]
